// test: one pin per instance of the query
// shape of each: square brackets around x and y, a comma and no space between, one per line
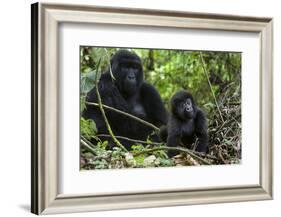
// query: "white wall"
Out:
[15,106]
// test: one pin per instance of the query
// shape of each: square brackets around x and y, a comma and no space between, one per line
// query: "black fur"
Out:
[128,93]
[185,124]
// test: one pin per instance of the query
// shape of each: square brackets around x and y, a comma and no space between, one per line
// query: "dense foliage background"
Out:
[214,78]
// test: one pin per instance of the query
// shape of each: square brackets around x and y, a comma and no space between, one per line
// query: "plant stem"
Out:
[210,85]
[126,114]
[85,144]
[110,69]
[116,141]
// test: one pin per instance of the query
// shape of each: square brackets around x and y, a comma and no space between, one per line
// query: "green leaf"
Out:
[87,81]
[88,128]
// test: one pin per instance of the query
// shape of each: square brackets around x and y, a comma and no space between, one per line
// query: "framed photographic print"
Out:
[145,108]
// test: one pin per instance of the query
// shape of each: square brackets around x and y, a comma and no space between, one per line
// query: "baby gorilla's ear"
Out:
[174,106]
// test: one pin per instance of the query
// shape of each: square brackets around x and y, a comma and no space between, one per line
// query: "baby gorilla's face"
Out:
[186,109]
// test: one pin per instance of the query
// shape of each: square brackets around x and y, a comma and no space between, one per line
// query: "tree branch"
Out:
[131,140]
[88,147]
[156,143]
[126,114]
[174,149]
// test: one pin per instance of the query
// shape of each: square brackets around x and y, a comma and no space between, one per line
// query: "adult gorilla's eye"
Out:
[124,65]
[136,66]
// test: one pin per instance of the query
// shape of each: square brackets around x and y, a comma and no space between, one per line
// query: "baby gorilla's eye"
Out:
[180,104]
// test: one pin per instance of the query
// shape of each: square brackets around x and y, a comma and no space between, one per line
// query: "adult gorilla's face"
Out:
[127,70]
[130,80]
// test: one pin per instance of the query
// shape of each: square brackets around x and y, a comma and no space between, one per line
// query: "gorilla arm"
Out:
[110,96]
[201,131]
[174,135]
[153,105]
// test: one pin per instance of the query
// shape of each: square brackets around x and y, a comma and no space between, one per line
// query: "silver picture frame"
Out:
[45,20]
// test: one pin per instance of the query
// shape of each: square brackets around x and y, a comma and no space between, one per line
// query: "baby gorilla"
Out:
[186,122]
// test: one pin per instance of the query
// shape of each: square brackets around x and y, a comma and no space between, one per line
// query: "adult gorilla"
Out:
[128,92]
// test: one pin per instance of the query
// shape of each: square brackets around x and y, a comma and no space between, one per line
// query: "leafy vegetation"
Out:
[214,78]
